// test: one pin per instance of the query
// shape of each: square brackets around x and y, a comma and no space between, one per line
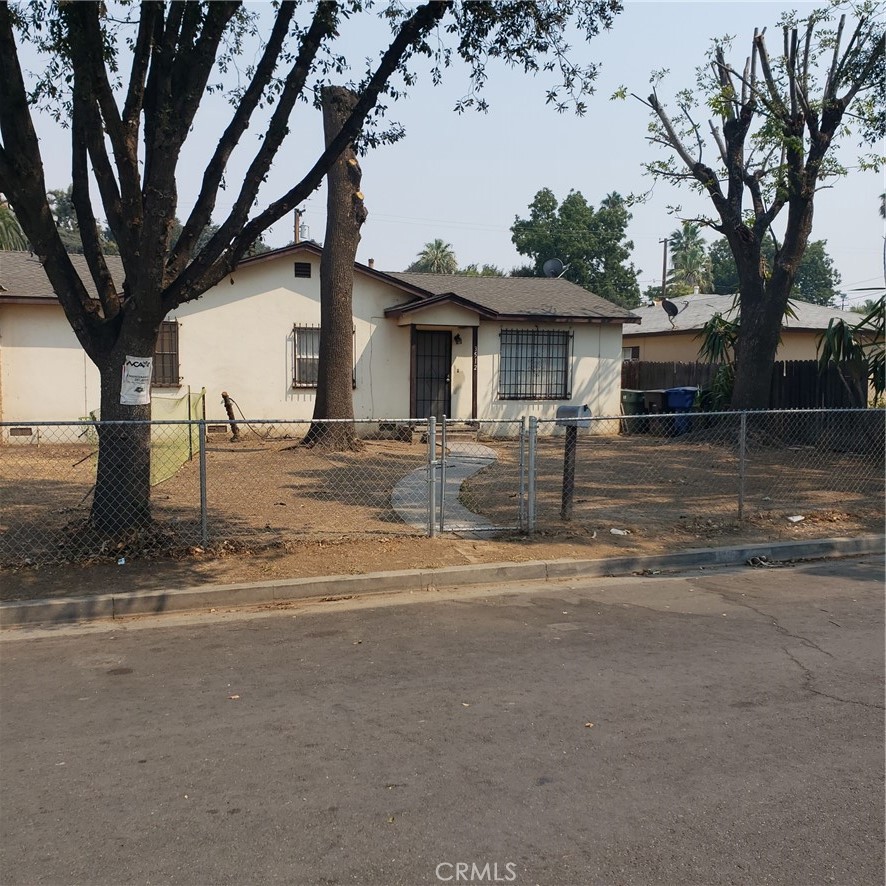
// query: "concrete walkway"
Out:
[409,498]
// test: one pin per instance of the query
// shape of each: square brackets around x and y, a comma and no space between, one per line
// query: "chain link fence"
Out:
[257,483]
[667,472]
[243,483]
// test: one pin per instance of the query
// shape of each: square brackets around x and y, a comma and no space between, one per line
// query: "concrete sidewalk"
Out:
[409,497]
[63,610]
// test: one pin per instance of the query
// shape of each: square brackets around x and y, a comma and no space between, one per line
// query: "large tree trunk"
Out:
[345,214]
[763,303]
[762,312]
[122,497]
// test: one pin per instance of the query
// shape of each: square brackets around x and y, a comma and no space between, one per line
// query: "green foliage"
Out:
[860,348]
[866,306]
[690,262]
[11,235]
[719,337]
[437,257]
[590,243]
[484,271]
[816,280]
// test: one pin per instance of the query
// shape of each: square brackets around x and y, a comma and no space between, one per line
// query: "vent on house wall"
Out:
[21,432]
[216,429]
[302,269]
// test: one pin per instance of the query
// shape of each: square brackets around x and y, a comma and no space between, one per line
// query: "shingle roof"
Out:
[696,310]
[22,275]
[520,296]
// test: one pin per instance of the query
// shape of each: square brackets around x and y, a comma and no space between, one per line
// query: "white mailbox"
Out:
[574,416]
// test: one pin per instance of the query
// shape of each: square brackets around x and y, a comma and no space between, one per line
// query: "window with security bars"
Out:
[166,356]
[535,365]
[306,358]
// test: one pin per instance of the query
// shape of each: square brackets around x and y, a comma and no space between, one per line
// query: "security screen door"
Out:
[433,365]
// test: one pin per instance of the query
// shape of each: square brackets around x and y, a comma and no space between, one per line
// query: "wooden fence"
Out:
[796,384]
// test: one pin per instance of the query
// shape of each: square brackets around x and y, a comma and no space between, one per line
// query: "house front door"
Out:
[431,374]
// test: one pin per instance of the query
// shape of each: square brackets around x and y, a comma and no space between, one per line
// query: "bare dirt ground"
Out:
[279,511]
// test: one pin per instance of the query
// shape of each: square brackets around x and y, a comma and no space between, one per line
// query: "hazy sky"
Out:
[465,177]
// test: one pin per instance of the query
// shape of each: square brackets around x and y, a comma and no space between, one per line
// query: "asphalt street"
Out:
[714,727]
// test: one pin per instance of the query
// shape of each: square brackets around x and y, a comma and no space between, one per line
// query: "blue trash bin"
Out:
[681,400]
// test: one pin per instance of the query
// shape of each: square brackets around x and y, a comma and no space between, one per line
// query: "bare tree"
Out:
[773,142]
[130,80]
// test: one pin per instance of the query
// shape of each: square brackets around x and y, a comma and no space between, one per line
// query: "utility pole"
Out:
[664,268]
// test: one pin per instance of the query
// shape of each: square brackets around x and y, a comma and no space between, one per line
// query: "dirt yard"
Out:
[277,510]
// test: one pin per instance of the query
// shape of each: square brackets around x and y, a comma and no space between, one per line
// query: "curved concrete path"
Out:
[409,497]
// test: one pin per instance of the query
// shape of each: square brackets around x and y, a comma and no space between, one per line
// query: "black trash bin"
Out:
[655,403]
[632,404]
[681,400]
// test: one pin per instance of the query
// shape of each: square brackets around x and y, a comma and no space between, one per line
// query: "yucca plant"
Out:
[859,350]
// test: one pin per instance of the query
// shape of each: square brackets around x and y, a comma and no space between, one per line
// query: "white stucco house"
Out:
[424,344]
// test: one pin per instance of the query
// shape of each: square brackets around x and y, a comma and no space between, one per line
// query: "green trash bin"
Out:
[632,403]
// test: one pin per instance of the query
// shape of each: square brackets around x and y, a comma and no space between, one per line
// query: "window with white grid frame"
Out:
[306,357]
[535,364]
[166,356]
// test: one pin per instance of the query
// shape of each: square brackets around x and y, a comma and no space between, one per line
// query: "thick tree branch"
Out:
[721,146]
[673,138]
[830,86]
[197,279]
[86,219]
[158,84]
[21,179]
[194,61]
[141,56]
[86,44]
[181,90]
[776,105]
[201,214]
[861,81]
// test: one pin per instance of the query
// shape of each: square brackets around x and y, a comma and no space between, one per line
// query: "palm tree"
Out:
[11,235]
[436,258]
[690,263]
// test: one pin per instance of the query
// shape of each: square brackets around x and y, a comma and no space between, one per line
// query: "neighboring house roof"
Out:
[22,277]
[514,297]
[696,310]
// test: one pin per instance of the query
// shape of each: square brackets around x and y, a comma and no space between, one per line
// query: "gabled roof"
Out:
[695,310]
[23,279]
[514,297]
[22,276]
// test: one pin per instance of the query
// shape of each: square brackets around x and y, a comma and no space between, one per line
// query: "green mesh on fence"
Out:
[171,445]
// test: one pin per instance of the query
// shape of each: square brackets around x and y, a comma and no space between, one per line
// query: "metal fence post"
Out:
[442,473]
[521,498]
[204,517]
[533,435]
[432,476]
[742,462]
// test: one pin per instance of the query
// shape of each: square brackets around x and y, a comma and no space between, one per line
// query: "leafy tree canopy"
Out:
[690,264]
[590,242]
[437,257]
[778,111]
[816,279]
[482,271]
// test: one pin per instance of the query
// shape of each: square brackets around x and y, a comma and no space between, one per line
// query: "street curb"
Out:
[65,610]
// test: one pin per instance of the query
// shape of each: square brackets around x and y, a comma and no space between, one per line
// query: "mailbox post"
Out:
[572,418]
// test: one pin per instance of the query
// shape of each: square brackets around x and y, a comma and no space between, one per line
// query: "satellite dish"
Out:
[553,267]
